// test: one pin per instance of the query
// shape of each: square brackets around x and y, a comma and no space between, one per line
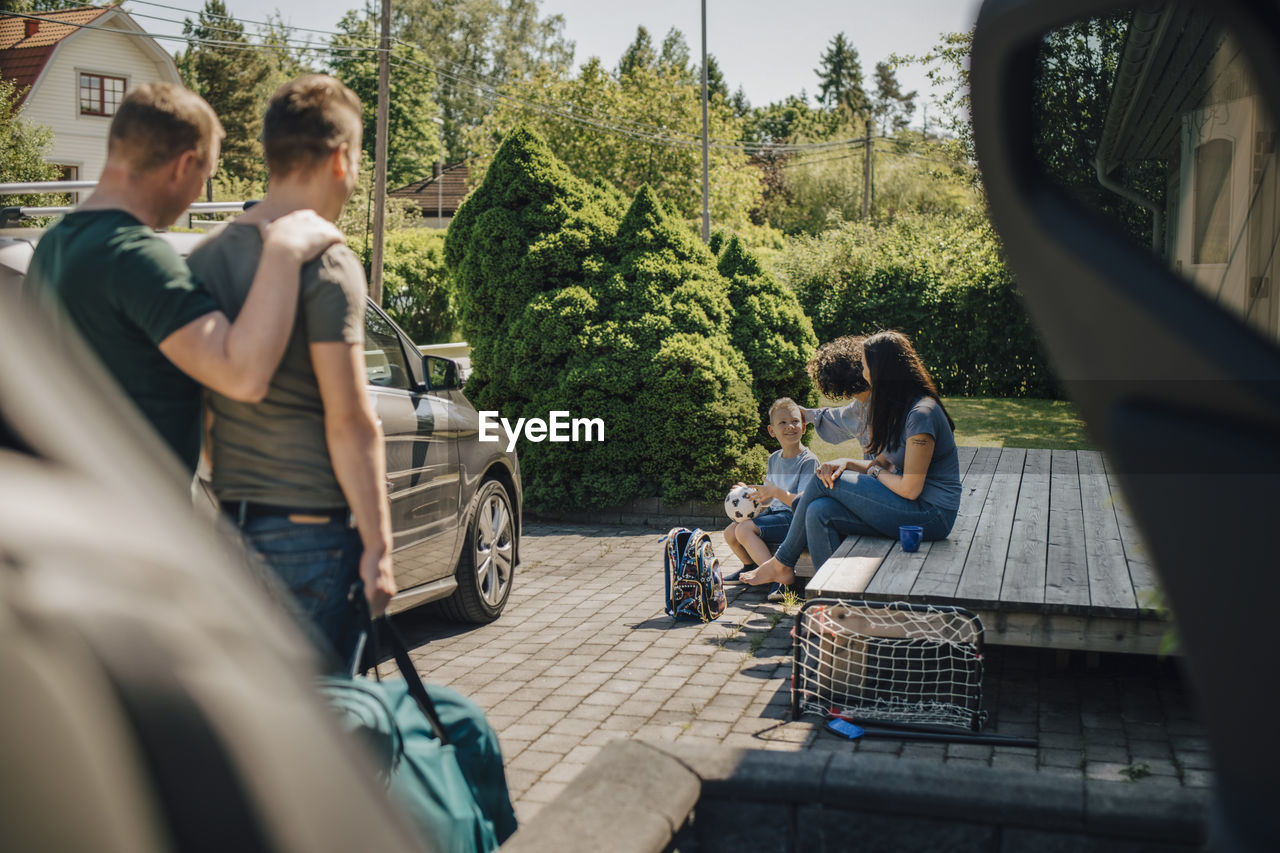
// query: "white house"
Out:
[79,64]
[1219,223]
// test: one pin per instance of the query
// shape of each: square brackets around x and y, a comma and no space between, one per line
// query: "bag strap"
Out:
[380,633]
[383,627]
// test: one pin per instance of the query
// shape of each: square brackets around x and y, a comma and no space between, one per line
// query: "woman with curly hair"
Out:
[913,476]
[836,369]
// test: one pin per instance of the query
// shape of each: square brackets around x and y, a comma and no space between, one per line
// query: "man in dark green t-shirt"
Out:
[103,271]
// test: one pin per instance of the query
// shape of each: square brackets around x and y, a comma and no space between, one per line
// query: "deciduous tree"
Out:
[627,130]
[475,47]
[891,107]
[23,148]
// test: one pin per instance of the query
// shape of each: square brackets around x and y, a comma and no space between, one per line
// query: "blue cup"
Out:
[910,535]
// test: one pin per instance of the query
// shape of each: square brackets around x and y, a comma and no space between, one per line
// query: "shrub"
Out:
[417,290]
[531,227]
[694,415]
[571,305]
[942,281]
[769,328]
[416,287]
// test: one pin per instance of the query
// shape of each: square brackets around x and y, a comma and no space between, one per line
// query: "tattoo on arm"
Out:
[920,442]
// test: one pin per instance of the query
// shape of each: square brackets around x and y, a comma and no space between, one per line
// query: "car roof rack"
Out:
[15,214]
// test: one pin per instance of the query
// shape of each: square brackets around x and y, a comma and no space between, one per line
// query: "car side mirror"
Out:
[441,373]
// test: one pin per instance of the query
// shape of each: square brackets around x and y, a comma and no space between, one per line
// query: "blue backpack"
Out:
[695,589]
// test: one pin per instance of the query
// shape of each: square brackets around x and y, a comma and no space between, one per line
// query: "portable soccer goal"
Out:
[895,664]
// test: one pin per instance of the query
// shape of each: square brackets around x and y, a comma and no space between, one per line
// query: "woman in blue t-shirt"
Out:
[912,475]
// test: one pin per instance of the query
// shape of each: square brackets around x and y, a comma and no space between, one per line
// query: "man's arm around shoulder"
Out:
[238,359]
[356,451]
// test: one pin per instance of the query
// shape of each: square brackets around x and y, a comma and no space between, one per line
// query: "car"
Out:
[455,501]
[1137,201]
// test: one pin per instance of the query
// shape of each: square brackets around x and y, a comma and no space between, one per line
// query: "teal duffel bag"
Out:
[437,754]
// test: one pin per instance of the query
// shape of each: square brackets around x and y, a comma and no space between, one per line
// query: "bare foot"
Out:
[770,571]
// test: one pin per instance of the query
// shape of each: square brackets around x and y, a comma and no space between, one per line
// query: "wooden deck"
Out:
[1043,550]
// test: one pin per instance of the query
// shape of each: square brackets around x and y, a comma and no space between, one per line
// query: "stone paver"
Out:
[584,655]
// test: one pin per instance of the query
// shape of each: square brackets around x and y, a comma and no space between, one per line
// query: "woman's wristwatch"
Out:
[873,471]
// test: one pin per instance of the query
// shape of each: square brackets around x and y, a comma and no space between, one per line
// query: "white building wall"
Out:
[54,101]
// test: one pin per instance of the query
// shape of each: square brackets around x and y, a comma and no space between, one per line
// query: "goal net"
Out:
[893,663]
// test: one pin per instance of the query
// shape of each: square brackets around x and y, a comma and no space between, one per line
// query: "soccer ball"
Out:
[738,506]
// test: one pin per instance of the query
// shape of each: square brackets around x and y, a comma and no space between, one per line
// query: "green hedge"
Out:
[940,280]
[572,303]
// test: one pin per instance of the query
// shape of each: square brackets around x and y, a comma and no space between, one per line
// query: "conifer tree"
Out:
[769,328]
[531,227]
[639,54]
[840,78]
[571,305]
[413,139]
[231,77]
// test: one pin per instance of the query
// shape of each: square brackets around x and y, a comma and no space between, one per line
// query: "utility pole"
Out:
[380,155]
[440,178]
[706,182]
[866,174]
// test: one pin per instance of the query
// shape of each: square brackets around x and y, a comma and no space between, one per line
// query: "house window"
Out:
[1212,202]
[68,173]
[100,95]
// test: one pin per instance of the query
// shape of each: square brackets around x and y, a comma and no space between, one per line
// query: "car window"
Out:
[1154,119]
[383,356]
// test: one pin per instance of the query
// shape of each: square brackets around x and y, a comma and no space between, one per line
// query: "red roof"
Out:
[450,192]
[22,56]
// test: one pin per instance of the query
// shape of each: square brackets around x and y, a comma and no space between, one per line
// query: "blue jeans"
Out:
[318,563]
[857,505]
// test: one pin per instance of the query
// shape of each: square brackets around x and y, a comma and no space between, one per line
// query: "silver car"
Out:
[455,501]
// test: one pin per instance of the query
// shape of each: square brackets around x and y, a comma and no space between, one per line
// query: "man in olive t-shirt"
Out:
[103,272]
[274,451]
[291,469]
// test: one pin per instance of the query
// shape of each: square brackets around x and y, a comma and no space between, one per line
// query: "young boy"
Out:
[789,469]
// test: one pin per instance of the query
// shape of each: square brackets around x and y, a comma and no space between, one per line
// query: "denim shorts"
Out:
[773,525]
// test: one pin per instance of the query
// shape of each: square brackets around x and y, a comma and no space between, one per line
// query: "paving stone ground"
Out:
[583,655]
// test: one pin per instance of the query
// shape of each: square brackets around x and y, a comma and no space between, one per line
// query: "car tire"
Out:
[487,564]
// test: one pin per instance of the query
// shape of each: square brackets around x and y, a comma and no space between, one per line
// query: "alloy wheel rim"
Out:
[493,549]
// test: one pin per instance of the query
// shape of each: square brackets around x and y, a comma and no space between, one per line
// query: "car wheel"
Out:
[487,564]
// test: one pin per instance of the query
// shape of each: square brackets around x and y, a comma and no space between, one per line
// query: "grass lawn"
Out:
[993,422]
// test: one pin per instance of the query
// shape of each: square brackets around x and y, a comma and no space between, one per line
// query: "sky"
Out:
[769,48]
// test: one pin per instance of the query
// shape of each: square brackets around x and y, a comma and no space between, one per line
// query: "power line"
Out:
[892,152]
[224,17]
[233,45]
[640,131]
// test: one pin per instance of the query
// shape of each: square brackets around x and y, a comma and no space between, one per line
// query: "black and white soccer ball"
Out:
[739,506]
